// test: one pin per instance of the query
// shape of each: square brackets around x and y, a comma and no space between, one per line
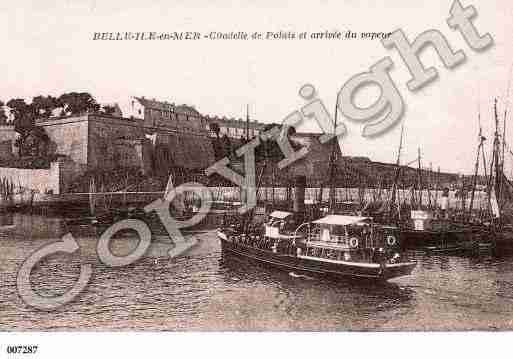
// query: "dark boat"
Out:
[500,236]
[219,211]
[336,246]
[436,234]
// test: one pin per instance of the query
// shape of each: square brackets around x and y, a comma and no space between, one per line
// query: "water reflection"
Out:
[6,220]
[204,290]
[235,269]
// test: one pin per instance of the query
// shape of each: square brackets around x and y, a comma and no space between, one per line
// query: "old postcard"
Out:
[211,166]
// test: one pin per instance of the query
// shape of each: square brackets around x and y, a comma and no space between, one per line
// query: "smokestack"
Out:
[299,195]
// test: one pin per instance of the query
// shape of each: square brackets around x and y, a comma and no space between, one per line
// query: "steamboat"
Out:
[335,246]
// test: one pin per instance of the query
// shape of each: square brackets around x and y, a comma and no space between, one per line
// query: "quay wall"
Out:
[38,180]
[54,180]
[102,142]
[266,194]
[7,139]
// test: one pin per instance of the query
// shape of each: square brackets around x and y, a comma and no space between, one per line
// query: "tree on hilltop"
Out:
[3,116]
[23,114]
[43,106]
[24,118]
[79,103]
[109,109]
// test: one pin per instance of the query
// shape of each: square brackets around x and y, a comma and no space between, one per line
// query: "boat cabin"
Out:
[279,223]
[349,238]
[340,229]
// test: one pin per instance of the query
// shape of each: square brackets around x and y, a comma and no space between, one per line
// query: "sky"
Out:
[48,49]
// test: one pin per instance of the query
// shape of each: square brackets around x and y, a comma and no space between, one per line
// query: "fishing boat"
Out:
[335,246]
[426,227]
[441,235]
[495,223]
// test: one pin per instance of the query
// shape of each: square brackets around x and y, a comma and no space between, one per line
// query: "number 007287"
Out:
[21,349]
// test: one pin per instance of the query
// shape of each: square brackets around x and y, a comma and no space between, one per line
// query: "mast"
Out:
[273,175]
[332,164]
[476,166]
[437,186]
[250,214]
[247,122]
[503,140]
[321,190]
[496,149]
[487,179]
[396,178]
[126,189]
[463,194]
[493,180]
[420,180]
[92,201]
[506,107]
[429,180]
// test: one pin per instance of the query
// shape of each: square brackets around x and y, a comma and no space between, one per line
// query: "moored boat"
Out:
[436,234]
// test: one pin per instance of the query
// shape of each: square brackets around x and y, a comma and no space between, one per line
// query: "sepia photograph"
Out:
[271,171]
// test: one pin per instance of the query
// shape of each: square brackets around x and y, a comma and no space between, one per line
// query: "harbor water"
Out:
[202,290]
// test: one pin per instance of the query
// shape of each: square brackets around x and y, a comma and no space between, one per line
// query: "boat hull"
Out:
[317,266]
[439,240]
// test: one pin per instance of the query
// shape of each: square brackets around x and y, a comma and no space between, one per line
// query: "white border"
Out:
[397,345]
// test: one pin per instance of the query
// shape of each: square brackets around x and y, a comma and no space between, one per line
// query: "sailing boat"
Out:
[424,228]
[498,227]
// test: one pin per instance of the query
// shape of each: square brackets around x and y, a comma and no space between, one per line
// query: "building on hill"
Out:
[179,133]
[156,137]
[163,114]
[233,128]
[154,144]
